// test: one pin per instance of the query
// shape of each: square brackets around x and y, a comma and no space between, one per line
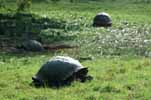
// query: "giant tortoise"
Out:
[102,20]
[32,45]
[60,70]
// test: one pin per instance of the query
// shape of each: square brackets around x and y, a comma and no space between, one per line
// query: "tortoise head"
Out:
[37,82]
[81,74]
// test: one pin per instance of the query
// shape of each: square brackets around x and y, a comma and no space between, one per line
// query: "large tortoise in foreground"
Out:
[60,70]
[102,20]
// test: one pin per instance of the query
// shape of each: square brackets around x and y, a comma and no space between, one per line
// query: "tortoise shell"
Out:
[32,45]
[59,70]
[102,20]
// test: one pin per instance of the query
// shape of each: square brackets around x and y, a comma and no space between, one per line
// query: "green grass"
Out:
[115,78]
[119,74]
[118,10]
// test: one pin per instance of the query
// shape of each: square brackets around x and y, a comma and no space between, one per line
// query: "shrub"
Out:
[2,4]
[23,5]
[53,35]
[55,1]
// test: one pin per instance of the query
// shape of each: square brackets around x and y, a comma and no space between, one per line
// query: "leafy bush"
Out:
[54,35]
[2,4]
[40,0]
[23,5]
[55,1]
[141,1]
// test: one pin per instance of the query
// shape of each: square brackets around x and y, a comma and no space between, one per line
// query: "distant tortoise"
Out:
[32,45]
[59,71]
[102,20]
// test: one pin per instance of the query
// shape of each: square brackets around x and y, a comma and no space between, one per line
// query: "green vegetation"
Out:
[120,55]
[23,5]
[115,78]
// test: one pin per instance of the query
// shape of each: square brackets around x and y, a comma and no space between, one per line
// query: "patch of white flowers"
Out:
[135,40]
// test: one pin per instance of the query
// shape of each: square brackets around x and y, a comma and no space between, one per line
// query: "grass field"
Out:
[115,78]
[120,62]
